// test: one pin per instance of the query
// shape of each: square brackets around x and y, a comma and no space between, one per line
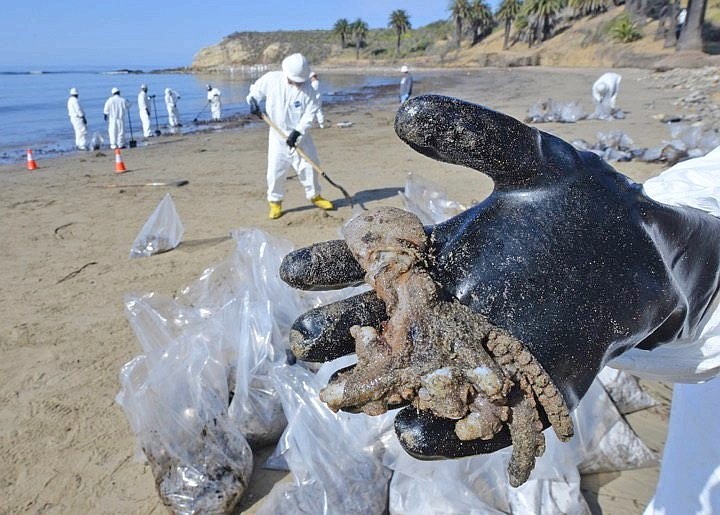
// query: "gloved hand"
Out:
[566,254]
[105,117]
[254,107]
[84,120]
[292,139]
[147,111]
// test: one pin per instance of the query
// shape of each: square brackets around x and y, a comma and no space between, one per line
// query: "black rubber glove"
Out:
[254,107]
[566,254]
[105,117]
[84,120]
[292,139]
[147,111]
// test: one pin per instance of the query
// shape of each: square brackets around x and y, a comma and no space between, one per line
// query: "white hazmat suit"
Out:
[115,110]
[144,111]
[315,83]
[605,89]
[213,97]
[290,107]
[171,98]
[78,120]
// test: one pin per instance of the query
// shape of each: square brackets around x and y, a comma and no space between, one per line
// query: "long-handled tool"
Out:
[133,143]
[181,182]
[201,111]
[302,154]
[157,125]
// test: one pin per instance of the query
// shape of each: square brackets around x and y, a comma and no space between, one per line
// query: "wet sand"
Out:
[67,229]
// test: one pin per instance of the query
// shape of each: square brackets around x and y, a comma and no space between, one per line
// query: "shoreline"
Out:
[68,228]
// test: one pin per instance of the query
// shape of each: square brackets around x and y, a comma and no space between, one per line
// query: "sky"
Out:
[52,34]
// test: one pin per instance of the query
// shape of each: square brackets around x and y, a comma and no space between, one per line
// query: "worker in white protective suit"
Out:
[689,479]
[406,83]
[78,120]
[115,111]
[604,92]
[144,110]
[291,105]
[213,96]
[315,83]
[171,102]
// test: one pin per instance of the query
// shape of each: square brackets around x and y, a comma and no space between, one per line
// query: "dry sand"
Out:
[66,445]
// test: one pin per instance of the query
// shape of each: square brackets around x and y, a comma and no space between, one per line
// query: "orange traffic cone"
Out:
[119,165]
[31,164]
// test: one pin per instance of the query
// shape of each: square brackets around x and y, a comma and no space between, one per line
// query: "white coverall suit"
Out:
[144,111]
[290,108]
[171,98]
[116,107]
[605,89]
[213,97]
[315,83]
[77,118]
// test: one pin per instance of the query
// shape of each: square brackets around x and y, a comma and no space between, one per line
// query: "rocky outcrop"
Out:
[248,48]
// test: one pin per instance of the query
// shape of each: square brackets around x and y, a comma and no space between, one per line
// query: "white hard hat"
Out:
[167,90]
[143,87]
[312,74]
[73,91]
[209,87]
[296,67]
[114,90]
[404,68]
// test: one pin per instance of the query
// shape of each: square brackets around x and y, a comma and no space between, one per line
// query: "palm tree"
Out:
[400,21]
[589,7]
[342,29]
[542,12]
[359,31]
[507,12]
[691,32]
[459,12]
[481,20]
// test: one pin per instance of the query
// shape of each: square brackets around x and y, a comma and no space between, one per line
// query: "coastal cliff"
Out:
[578,42]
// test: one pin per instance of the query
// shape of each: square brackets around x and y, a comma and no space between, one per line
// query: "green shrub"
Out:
[623,30]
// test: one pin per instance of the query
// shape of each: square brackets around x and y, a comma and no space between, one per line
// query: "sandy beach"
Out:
[67,229]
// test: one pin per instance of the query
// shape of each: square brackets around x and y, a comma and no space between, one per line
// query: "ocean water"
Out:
[33,103]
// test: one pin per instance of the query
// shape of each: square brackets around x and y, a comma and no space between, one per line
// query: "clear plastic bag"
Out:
[176,403]
[163,231]
[203,386]
[335,458]
[96,142]
[428,201]
[602,442]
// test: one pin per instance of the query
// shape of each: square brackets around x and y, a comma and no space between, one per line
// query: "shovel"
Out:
[132,143]
[302,154]
[157,129]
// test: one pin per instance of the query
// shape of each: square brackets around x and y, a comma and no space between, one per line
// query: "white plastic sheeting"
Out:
[694,183]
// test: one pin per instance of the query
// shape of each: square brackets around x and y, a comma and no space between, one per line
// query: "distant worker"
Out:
[604,92]
[78,120]
[213,97]
[406,83]
[315,83]
[115,110]
[171,98]
[681,18]
[291,105]
[144,110]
